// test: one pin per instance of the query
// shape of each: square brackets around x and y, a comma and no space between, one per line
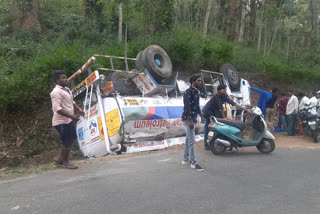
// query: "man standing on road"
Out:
[214,107]
[313,103]
[291,112]
[304,101]
[266,103]
[63,108]
[282,112]
[318,105]
[270,112]
[189,117]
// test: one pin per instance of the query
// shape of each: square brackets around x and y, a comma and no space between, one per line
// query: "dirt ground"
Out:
[285,141]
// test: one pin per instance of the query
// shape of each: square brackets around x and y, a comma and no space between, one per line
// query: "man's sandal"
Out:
[57,163]
[69,166]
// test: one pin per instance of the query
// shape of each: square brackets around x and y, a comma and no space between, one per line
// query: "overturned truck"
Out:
[140,109]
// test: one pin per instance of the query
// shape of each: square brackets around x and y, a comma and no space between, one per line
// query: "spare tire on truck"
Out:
[139,61]
[156,60]
[119,77]
[126,88]
[232,75]
[123,84]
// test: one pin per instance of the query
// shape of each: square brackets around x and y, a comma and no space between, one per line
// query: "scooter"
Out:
[309,123]
[225,134]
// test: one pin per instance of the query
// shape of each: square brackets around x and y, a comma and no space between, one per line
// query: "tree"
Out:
[242,19]
[314,9]
[163,14]
[205,25]
[221,15]
[252,21]
[26,14]
[232,27]
[120,23]
[92,8]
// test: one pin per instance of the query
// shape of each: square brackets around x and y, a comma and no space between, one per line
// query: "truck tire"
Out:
[126,88]
[119,77]
[139,61]
[157,61]
[232,75]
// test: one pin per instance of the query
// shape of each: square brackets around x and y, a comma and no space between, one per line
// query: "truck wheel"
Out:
[123,149]
[232,75]
[157,61]
[126,88]
[139,61]
[119,77]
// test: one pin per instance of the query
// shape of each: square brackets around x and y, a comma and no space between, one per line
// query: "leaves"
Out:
[73,30]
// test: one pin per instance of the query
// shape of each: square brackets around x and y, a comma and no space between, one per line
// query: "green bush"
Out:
[292,73]
[181,47]
[29,81]
[246,59]
[28,58]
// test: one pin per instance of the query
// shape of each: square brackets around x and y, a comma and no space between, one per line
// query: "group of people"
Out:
[214,107]
[65,111]
[288,107]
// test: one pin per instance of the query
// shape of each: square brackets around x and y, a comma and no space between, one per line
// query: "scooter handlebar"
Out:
[213,119]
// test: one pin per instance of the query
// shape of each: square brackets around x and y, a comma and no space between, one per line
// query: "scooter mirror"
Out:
[256,111]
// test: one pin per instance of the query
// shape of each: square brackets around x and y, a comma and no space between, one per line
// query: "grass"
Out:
[7,173]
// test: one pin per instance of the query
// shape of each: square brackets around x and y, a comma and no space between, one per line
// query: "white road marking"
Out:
[164,160]
[15,208]
[98,174]
[16,179]
[310,147]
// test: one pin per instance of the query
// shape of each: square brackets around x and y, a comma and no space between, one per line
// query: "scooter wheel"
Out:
[266,146]
[315,136]
[216,147]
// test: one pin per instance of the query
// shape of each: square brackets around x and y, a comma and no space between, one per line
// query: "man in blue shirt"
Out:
[265,97]
[189,117]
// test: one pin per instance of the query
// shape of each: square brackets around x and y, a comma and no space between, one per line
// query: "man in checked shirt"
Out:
[64,109]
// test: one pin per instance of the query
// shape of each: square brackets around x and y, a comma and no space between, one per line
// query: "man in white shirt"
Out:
[304,101]
[313,103]
[291,112]
[318,105]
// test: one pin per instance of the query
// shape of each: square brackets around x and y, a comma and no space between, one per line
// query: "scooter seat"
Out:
[239,125]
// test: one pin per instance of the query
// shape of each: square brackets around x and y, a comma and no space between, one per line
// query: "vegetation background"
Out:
[273,39]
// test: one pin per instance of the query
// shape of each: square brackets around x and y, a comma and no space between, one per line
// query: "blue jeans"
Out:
[291,124]
[189,144]
[206,131]
[283,122]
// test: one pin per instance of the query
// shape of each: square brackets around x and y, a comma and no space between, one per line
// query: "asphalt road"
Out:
[248,182]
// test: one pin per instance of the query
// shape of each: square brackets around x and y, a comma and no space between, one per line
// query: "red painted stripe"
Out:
[152,110]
